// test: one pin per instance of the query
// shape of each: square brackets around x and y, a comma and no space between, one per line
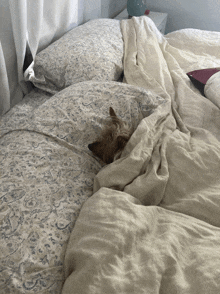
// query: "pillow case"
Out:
[207,81]
[92,51]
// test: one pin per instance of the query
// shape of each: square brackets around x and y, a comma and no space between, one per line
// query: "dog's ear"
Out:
[112,112]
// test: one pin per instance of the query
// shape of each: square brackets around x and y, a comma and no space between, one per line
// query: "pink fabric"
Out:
[202,75]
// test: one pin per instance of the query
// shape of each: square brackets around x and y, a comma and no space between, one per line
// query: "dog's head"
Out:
[113,138]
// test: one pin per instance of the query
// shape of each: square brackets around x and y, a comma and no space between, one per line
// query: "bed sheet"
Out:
[47,173]
[152,224]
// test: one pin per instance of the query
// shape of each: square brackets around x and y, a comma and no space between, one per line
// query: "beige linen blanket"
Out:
[153,223]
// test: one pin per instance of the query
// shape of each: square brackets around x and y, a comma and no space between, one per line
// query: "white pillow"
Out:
[212,89]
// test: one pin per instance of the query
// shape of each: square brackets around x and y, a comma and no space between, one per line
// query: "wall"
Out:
[110,8]
[199,14]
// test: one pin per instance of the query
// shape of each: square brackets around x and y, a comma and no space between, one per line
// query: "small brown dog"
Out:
[112,140]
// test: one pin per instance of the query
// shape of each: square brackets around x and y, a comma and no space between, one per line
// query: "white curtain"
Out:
[38,23]
[4,86]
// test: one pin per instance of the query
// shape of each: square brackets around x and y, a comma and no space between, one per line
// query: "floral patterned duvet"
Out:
[47,173]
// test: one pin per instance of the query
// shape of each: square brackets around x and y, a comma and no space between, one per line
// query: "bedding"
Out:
[47,173]
[152,224]
[149,221]
[92,51]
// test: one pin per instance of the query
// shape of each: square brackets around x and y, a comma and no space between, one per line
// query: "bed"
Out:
[146,223]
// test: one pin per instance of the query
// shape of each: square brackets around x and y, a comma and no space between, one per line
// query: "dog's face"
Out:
[112,140]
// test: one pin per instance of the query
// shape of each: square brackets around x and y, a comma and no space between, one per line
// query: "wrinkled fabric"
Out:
[153,225]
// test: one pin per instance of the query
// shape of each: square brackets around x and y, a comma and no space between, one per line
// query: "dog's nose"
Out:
[90,147]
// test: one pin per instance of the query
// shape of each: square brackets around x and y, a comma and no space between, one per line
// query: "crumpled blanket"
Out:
[153,225]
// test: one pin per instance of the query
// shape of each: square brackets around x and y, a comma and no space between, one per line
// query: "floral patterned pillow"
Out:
[92,51]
